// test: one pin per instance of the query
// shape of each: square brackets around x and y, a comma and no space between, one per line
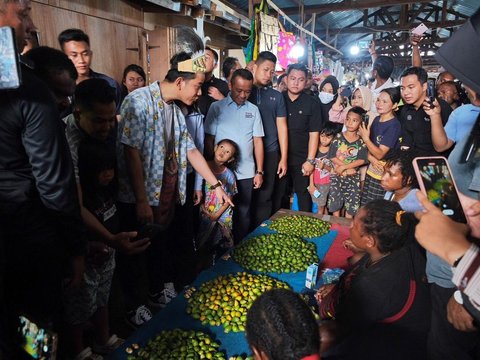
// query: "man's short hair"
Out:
[243,73]
[421,73]
[228,65]
[215,55]
[49,61]
[264,56]
[384,66]
[94,91]
[299,67]
[173,74]
[72,35]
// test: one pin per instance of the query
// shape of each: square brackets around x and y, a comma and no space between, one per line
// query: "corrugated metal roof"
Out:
[354,18]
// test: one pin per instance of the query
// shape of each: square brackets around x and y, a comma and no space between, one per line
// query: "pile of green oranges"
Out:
[225,300]
[278,253]
[299,225]
[179,344]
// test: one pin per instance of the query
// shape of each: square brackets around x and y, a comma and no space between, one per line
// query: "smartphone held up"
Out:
[436,182]
[10,75]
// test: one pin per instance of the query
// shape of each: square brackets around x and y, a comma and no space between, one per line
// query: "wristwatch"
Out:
[258,172]
[457,296]
[214,186]
[311,161]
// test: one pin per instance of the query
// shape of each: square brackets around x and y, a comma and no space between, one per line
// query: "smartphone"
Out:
[37,342]
[431,92]
[149,231]
[366,119]
[420,29]
[436,182]
[10,74]
[364,44]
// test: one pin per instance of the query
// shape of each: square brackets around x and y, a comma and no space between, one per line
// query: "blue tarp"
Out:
[174,315]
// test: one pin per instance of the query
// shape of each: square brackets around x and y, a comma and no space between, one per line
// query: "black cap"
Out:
[461,53]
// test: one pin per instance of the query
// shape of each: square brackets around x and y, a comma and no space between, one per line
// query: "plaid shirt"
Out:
[142,127]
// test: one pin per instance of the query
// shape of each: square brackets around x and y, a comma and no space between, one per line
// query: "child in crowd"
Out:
[382,137]
[347,152]
[320,179]
[400,182]
[216,217]
[89,303]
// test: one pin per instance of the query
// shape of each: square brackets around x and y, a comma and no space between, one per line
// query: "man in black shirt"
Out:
[416,115]
[304,121]
[213,89]
[274,118]
[41,232]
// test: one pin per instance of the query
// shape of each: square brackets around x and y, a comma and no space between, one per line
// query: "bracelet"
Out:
[216,185]
[261,173]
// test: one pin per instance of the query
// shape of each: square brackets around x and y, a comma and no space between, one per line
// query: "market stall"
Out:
[233,342]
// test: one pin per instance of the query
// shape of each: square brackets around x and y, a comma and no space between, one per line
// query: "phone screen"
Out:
[37,342]
[437,183]
[364,44]
[10,77]
[431,90]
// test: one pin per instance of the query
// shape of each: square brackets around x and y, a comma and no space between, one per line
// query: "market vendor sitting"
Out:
[380,307]
[281,326]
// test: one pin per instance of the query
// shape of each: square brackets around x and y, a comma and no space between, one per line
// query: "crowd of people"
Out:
[157,181]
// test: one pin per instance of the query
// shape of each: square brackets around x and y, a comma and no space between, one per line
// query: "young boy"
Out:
[347,153]
[320,178]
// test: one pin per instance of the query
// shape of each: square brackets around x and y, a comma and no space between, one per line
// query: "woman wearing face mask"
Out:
[328,95]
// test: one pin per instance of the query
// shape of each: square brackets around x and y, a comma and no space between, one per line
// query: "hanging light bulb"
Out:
[354,50]
[297,51]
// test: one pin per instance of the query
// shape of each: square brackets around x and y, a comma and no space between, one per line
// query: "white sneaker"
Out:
[162,298]
[138,317]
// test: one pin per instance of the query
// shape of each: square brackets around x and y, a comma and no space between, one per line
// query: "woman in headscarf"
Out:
[361,96]
[328,94]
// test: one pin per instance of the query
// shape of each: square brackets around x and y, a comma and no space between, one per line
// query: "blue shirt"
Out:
[194,123]
[271,104]
[461,121]
[239,123]
[143,127]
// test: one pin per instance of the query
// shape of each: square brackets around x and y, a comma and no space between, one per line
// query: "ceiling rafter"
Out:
[350,5]
[391,27]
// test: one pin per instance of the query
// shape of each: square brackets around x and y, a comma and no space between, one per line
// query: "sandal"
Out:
[87,354]
[110,346]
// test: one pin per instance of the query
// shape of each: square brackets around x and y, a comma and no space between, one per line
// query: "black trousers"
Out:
[263,198]
[169,258]
[300,184]
[444,341]
[241,211]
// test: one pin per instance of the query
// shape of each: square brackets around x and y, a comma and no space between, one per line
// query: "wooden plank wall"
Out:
[116,25]
[113,26]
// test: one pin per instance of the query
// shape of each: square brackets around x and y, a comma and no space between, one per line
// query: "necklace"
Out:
[370,262]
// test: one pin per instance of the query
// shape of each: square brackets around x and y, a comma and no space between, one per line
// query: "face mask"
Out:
[325,97]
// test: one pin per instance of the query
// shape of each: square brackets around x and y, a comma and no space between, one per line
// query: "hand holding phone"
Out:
[149,231]
[436,182]
[431,92]
[420,29]
[9,64]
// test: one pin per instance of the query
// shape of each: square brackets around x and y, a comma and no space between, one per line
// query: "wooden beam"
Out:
[350,5]
[390,28]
